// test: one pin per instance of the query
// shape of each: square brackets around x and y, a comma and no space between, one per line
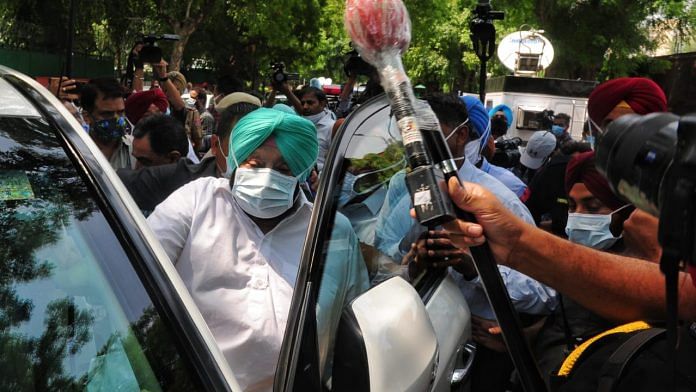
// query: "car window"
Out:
[372,230]
[74,313]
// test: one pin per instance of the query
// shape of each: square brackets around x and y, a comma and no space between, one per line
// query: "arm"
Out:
[175,100]
[139,80]
[615,287]
[346,94]
[171,220]
[285,89]
[271,99]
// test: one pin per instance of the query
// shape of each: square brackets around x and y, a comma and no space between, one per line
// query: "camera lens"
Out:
[634,154]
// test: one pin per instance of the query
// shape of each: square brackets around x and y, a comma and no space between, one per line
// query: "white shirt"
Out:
[324,123]
[242,279]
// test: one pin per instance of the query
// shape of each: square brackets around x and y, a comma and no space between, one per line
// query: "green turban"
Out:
[295,136]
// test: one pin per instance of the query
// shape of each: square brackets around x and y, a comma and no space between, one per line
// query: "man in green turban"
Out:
[237,244]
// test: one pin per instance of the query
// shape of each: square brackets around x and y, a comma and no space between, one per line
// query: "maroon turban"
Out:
[642,95]
[581,169]
[138,103]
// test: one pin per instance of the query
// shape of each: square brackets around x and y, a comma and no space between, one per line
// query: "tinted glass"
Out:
[74,314]
[373,193]
[372,231]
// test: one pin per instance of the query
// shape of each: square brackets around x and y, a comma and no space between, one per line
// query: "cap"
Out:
[178,79]
[231,99]
[539,147]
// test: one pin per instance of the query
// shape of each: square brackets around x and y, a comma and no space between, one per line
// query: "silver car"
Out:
[90,301]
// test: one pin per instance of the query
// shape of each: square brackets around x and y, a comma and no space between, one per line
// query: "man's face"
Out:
[582,201]
[311,104]
[144,156]
[614,114]
[561,123]
[269,157]
[151,111]
[105,109]
[457,137]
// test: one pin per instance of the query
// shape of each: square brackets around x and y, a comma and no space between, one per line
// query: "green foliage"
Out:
[592,38]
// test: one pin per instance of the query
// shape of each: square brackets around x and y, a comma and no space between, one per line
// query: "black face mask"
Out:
[499,126]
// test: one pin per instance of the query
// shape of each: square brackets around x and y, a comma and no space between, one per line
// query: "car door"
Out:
[90,301]
[374,325]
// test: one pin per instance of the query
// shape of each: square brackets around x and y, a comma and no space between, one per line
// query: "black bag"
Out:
[632,357]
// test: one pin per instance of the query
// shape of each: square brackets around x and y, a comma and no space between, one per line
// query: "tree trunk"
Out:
[179,47]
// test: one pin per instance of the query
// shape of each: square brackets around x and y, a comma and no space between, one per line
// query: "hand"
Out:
[640,236]
[435,249]
[67,90]
[502,229]
[314,181]
[160,69]
[488,334]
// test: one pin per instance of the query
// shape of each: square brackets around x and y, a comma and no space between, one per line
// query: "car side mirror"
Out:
[385,341]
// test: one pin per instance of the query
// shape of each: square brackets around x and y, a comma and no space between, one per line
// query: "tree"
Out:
[183,17]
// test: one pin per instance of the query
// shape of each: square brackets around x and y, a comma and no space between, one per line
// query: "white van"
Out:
[528,96]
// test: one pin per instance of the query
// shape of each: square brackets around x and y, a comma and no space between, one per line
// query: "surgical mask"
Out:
[315,118]
[592,230]
[230,169]
[263,193]
[557,130]
[472,148]
[347,191]
[109,129]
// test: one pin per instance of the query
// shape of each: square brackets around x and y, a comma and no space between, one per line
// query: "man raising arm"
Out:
[615,287]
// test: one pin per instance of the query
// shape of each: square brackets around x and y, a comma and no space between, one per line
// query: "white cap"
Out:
[231,99]
[539,147]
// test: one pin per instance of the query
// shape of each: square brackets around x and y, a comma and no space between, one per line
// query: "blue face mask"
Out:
[591,230]
[347,191]
[109,129]
[557,130]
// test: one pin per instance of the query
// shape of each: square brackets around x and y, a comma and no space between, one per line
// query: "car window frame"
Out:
[297,366]
[129,233]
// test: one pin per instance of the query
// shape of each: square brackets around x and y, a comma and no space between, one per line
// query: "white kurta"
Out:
[242,279]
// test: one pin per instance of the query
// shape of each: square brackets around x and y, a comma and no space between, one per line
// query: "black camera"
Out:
[279,75]
[356,65]
[636,154]
[484,12]
[544,120]
[651,161]
[150,52]
[507,153]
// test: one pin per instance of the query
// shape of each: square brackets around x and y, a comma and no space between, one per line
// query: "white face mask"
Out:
[592,230]
[472,148]
[263,193]
[315,118]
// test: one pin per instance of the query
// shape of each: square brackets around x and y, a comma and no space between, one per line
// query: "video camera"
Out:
[279,75]
[484,13]
[507,153]
[151,53]
[356,65]
[544,120]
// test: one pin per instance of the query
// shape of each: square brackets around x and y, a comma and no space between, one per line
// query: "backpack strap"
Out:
[613,368]
[571,360]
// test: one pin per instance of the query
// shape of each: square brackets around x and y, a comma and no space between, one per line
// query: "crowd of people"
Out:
[228,191]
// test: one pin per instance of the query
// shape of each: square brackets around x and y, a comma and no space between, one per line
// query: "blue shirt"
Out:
[506,177]
[396,230]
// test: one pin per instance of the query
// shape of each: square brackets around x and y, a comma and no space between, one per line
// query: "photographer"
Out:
[615,287]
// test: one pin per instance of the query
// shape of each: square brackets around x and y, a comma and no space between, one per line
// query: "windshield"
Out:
[74,315]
